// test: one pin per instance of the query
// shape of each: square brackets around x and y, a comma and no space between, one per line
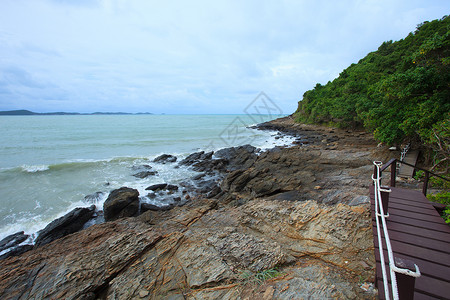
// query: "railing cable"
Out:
[379,214]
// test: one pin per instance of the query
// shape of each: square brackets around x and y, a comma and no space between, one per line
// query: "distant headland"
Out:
[23,112]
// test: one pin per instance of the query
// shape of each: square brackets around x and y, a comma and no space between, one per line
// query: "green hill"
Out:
[400,92]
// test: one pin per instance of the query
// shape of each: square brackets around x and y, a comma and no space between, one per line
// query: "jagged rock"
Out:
[67,224]
[213,192]
[94,198]
[142,167]
[241,157]
[15,251]
[13,240]
[78,266]
[145,174]
[172,187]
[199,176]
[123,202]
[156,187]
[147,206]
[165,158]
[192,158]
[206,186]
[210,165]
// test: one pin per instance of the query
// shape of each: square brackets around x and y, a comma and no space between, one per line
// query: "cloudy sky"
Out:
[187,56]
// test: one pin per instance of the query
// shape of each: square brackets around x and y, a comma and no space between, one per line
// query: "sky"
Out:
[187,57]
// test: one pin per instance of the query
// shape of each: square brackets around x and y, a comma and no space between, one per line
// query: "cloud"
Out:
[187,57]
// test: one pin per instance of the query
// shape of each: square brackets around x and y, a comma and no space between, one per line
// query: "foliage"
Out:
[447,215]
[260,277]
[401,91]
[443,197]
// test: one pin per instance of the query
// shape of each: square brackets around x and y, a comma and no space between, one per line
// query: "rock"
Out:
[192,158]
[145,174]
[206,186]
[147,206]
[123,202]
[67,224]
[210,165]
[94,198]
[142,167]
[199,176]
[156,187]
[172,187]
[241,157]
[16,251]
[79,266]
[214,192]
[165,158]
[288,196]
[13,240]
[358,200]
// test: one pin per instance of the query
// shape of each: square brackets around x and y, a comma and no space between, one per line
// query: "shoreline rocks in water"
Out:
[266,212]
[121,203]
[165,158]
[67,224]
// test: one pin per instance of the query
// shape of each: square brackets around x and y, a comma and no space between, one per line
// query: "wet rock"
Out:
[67,224]
[210,165]
[241,157]
[214,192]
[192,158]
[147,206]
[156,187]
[172,187]
[123,202]
[145,174]
[13,240]
[15,251]
[94,198]
[142,167]
[206,185]
[165,158]
[199,176]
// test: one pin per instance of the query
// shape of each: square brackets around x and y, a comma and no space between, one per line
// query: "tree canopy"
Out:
[401,91]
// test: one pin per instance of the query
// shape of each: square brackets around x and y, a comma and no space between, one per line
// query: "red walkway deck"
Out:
[417,233]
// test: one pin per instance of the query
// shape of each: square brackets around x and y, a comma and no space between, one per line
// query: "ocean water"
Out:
[48,164]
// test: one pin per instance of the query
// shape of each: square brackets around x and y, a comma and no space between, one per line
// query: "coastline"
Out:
[301,209]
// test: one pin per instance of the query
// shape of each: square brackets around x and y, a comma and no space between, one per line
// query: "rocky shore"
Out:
[288,223]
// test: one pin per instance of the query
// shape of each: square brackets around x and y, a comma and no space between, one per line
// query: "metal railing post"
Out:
[425,183]
[393,173]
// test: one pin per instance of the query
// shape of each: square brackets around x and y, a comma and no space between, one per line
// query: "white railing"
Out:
[380,214]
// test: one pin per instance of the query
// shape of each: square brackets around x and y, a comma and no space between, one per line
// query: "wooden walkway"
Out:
[419,234]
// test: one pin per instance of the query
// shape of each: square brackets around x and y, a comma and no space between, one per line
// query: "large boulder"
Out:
[67,224]
[123,202]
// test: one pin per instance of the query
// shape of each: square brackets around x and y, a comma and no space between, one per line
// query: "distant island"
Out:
[23,112]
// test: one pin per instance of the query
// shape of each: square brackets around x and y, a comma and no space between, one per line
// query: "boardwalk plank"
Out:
[414,214]
[443,246]
[419,234]
[428,285]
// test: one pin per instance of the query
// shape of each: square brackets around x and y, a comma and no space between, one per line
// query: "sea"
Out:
[52,164]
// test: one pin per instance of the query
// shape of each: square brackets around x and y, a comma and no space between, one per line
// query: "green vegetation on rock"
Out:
[401,91]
